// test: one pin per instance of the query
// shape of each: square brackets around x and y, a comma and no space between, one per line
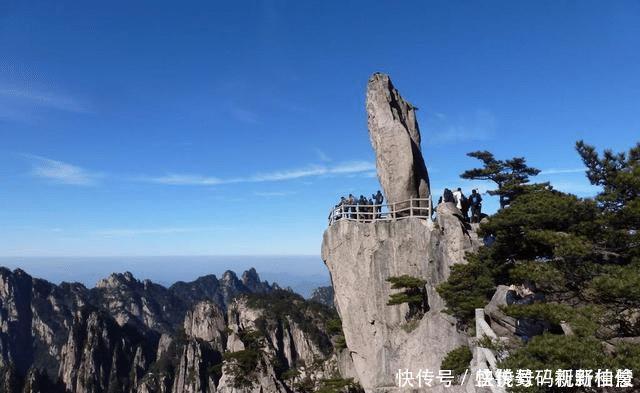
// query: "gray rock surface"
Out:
[206,322]
[395,136]
[285,340]
[361,257]
[501,323]
[127,336]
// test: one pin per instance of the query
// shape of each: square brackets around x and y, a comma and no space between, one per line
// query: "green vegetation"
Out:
[340,342]
[499,347]
[468,287]
[555,352]
[292,373]
[282,306]
[511,176]
[583,319]
[410,325]
[457,360]
[581,255]
[321,324]
[413,293]
[241,364]
[339,385]
[334,326]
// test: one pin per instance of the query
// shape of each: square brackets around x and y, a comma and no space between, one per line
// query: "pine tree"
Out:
[413,293]
[581,255]
[511,176]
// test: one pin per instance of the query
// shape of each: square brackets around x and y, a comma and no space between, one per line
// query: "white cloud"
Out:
[353,167]
[556,171]
[182,179]
[65,173]
[61,172]
[287,174]
[346,168]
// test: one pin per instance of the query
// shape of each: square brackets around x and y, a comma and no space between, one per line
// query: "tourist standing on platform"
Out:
[379,199]
[475,201]
[351,201]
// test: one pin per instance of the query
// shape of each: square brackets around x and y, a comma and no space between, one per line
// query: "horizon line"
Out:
[164,256]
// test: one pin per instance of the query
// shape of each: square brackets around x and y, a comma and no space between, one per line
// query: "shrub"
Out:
[413,293]
[457,360]
[240,365]
[339,385]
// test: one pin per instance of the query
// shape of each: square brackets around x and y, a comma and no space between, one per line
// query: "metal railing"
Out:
[414,207]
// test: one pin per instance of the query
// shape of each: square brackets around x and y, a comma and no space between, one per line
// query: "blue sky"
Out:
[230,128]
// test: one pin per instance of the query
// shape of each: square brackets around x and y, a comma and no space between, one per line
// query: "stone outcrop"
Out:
[206,322]
[220,290]
[395,136]
[501,323]
[191,374]
[361,257]
[99,354]
[297,344]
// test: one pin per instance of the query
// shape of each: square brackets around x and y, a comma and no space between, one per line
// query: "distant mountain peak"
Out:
[117,279]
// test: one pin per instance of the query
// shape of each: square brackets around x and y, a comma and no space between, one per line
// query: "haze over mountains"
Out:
[301,273]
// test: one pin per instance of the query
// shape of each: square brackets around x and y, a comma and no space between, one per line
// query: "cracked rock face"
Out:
[206,322]
[131,336]
[361,257]
[395,137]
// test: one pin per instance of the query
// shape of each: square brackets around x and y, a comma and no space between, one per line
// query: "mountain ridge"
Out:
[127,335]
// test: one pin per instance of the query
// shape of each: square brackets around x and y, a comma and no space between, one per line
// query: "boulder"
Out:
[395,136]
[503,324]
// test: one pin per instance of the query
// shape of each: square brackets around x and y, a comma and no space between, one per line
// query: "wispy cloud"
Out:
[289,174]
[244,115]
[346,168]
[322,156]
[61,172]
[182,180]
[441,129]
[559,171]
[27,96]
[271,194]
[129,232]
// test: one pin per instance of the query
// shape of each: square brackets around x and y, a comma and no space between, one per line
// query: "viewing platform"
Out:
[412,208]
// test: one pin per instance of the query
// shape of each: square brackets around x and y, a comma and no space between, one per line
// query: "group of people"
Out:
[361,208]
[368,209]
[464,204]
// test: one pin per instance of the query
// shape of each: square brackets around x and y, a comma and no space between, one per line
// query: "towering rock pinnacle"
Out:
[395,137]
[362,256]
